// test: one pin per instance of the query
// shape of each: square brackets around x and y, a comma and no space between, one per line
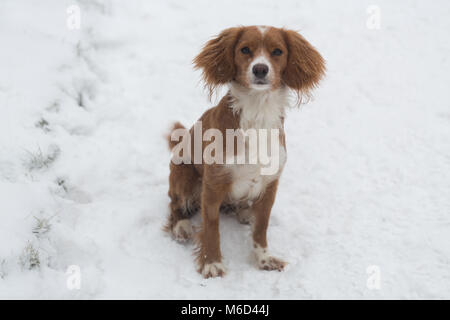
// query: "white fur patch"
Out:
[183,230]
[259,109]
[260,252]
[248,182]
[262,29]
[266,261]
[214,269]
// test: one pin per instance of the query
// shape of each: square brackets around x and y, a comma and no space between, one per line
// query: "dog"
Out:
[261,65]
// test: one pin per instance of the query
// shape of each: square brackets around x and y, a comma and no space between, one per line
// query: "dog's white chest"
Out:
[248,183]
[250,180]
[260,111]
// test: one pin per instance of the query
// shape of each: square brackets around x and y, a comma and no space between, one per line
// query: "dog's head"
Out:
[261,58]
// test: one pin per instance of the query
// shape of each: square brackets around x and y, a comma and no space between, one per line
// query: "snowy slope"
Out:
[84,168]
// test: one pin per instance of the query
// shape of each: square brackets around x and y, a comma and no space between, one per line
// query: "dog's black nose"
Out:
[260,70]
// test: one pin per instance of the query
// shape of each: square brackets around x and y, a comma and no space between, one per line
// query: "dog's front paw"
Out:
[212,270]
[271,263]
[266,261]
[183,231]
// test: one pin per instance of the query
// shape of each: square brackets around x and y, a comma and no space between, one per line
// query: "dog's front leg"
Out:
[209,257]
[262,209]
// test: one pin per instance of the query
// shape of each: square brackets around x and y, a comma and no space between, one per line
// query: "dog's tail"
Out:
[175,126]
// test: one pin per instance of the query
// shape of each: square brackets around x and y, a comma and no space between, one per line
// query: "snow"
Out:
[84,167]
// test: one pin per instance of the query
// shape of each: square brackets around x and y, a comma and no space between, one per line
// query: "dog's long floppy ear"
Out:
[217,59]
[305,66]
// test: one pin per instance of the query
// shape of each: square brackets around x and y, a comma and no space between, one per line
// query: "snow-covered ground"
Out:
[365,194]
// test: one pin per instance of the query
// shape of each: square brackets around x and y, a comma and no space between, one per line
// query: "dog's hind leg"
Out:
[184,193]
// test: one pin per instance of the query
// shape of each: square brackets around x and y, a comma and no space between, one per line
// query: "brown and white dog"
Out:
[260,65]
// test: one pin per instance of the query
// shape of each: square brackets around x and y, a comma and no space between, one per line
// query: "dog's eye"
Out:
[245,50]
[277,52]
